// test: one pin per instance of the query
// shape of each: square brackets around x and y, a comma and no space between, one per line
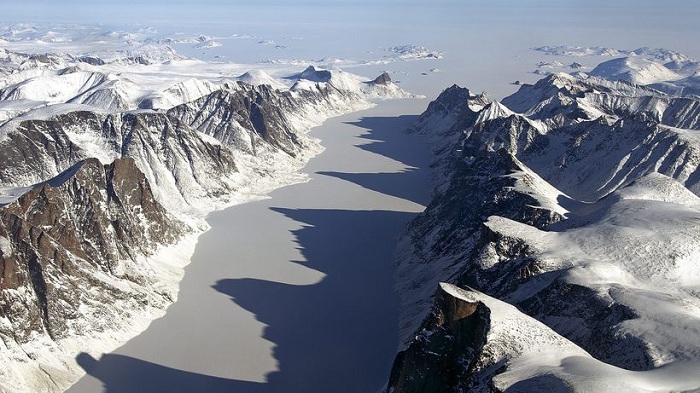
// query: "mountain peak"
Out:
[313,74]
[383,79]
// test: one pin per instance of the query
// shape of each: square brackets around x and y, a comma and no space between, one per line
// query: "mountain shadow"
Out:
[387,137]
[120,373]
[328,335]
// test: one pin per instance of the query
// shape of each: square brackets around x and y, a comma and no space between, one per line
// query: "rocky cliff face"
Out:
[74,244]
[454,333]
[252,119]
[562,210]
[179,161]
[90,215]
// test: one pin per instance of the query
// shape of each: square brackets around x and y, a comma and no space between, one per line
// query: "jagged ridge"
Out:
[564,209]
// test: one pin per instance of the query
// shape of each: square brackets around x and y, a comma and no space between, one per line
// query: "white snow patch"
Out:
[260,77]
[5,246]
[636,70]
[93,145]
[494,110]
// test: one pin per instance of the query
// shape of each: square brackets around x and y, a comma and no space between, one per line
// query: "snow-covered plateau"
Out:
[110,166]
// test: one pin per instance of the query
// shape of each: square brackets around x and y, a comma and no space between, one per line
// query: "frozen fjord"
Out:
[295,289]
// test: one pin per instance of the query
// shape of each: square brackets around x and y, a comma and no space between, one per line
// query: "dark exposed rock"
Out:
[244,117]
[314,75]
[37,150]
[256,119]
[460,214]
[438,359]
[383,79]
[445,121]
[587,319]
[92,60]
[90,217]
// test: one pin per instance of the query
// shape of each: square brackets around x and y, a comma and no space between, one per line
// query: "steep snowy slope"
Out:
[179,93]
[576,201]
[260,77]
[104,184]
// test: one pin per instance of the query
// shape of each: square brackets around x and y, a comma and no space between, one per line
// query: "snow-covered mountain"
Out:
[636,70]
[105,183]
[90,237]
[674,74]
[575,200]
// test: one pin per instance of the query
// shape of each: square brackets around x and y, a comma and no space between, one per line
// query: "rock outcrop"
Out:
[89,216]
[454,333]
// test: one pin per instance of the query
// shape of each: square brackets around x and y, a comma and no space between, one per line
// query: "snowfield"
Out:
[539,359]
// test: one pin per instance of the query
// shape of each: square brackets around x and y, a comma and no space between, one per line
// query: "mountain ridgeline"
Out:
[574,200]
[98,201]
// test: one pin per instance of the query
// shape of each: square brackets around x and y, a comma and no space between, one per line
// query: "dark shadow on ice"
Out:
[120,373]
[328,335]
[399,184]
[387,135]
[540,383]
[580,213]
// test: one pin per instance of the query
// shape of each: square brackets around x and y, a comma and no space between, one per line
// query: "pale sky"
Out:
[628,24]
[682,14]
